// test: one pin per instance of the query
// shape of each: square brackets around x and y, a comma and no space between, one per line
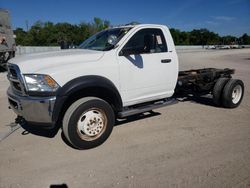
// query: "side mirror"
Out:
[125,52]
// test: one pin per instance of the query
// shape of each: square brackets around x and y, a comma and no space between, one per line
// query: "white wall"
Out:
[35,49]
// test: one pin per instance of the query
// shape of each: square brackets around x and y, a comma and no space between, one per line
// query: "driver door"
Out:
[145,67]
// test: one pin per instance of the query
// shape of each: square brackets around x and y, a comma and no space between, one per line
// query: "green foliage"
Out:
[50,34]
[245,39]
[205,37]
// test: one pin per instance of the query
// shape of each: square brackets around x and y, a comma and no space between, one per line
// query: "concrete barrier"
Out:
[203,48]
[190,47]
[35,49]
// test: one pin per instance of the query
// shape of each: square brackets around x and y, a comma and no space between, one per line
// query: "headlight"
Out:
[40,83]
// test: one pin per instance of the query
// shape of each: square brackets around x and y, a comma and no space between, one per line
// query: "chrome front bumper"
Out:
[32,109]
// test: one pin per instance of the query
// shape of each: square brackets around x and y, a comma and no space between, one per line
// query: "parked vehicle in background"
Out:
[7,41]
[234,46]
[210,47]
[224,47]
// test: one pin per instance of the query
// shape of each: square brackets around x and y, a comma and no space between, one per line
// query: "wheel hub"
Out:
[91,123]
[237,93]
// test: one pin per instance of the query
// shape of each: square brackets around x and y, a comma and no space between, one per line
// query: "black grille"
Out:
[13,103]
[15,79]
[13,73]
[17,86]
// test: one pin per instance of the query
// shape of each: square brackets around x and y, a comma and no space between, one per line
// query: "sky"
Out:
[225,17]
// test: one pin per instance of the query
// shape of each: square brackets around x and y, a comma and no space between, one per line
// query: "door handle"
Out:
[166,60]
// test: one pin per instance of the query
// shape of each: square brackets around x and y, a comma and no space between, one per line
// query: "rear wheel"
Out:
[88,122]
[218,89]
[233,93]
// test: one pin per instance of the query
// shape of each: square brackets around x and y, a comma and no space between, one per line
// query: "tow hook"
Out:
[19,120]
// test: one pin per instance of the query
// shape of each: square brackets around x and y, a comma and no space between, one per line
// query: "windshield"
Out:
[104,40]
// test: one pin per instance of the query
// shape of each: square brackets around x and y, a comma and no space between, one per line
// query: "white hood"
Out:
[37,62]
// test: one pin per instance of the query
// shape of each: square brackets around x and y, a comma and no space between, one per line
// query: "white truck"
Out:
[115,73]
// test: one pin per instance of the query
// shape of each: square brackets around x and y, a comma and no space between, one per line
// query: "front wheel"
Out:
[88,122]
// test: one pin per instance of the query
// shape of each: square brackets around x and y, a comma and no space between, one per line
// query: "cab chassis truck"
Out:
[114,74]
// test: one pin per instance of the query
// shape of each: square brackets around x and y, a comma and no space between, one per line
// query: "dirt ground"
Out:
[190,144]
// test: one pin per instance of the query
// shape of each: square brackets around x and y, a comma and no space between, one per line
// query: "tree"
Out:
[50,34]
[176,35]
[228,40]
[20,35]
[245,39]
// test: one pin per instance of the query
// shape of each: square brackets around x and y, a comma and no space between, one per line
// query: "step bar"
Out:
[147,107]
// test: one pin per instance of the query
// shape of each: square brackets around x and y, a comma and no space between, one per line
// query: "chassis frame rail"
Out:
[200,80]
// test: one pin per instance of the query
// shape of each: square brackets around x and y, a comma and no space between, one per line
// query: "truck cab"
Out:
[147,58]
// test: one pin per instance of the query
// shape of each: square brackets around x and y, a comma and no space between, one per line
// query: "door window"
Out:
[147,41]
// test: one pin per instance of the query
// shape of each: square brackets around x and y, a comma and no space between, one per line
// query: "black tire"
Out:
[77,113]
[3,67]
[233,93]
[218,89]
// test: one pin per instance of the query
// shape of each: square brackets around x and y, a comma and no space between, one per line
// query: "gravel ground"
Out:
[190,144]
